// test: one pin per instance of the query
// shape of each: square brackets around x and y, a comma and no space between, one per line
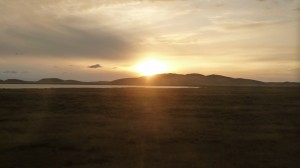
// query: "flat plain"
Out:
[208,127]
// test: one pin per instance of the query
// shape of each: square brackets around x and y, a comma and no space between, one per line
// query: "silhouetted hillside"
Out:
[283,84]
[50,80]
[165,80]
[60,81]
[14,81]
[72,81]
[188,80]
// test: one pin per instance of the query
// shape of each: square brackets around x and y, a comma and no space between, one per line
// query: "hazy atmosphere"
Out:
[96,40]
[150,83]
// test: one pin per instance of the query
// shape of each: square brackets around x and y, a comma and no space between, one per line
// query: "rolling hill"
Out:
[13,81]
[169,79]
[188,80]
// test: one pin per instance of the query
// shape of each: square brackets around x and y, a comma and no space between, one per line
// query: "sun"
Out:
[151,67]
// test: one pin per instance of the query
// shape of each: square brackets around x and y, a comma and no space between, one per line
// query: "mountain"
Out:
[60,81]
[169,79]
[57,81]
[14,81]
[50,80]
[97,83]
[188,80]
[283,84]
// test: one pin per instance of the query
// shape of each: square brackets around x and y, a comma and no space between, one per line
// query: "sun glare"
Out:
[151,67]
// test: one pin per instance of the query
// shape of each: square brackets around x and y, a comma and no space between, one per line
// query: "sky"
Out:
[95,40]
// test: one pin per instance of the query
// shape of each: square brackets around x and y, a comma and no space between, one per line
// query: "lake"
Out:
[46,86]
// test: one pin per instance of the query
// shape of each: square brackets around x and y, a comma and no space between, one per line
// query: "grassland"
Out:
[213,127]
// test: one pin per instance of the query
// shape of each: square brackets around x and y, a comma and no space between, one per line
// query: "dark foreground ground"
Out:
[148,128]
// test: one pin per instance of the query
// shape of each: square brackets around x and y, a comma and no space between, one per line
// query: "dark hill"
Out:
[61,81]
[283,84]
[72,82]
[14,81]
[50,80]
[188,80]
[170,79]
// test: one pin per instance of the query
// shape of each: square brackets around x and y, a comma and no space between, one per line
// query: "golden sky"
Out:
[95,40]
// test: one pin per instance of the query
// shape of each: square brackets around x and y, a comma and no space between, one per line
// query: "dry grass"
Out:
[214,127]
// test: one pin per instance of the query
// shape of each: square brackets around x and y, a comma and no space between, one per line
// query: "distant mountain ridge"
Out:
[187,80]
[57,80]
[51,81]
[169,79]
[13,81]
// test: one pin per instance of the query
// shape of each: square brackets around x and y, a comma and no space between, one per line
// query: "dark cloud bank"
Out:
[10,72]
[95,66]
[64,41]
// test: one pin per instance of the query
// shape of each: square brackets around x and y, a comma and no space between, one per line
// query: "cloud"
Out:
[247,21]
[245,25]
[95,66]
[59,40]
[296,9]
[294,69]
[62,30]
[10,72]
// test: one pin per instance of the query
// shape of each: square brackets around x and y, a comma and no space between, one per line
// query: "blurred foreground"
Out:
[214,127]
